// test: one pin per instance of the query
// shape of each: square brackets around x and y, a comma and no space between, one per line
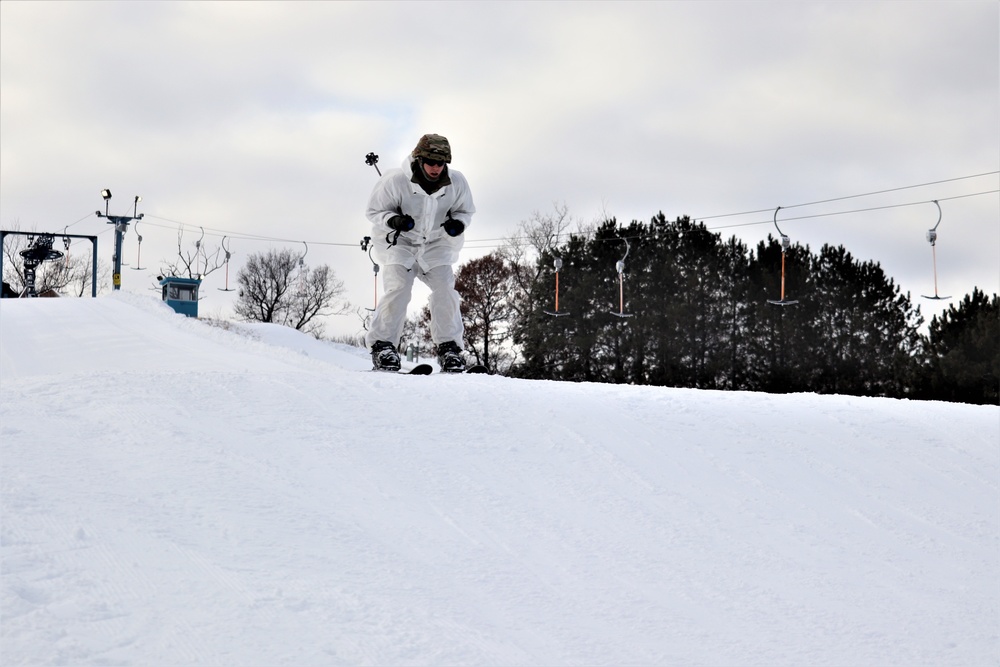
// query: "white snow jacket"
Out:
[427,244]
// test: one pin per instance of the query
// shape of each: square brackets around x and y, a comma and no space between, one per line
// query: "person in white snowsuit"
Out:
[421,211]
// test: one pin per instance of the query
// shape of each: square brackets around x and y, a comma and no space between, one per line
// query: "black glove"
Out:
[453,227]
[401,223]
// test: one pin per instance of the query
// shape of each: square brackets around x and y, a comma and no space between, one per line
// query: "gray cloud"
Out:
[254,118]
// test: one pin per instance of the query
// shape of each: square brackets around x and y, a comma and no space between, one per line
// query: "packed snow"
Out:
[179,493]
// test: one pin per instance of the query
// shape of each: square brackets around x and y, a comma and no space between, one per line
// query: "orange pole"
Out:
[557,291]
[782,276]
[621,294]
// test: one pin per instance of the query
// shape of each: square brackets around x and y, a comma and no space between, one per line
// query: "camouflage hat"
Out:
[433,147]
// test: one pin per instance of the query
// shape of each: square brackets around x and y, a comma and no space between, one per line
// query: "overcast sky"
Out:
[254,118]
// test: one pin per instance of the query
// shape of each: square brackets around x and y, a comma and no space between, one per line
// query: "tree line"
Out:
[688,309]
[692,310]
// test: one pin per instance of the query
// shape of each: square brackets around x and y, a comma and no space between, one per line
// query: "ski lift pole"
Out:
[783,268]
[375,268]
[372,161]
[558,265]
[785,245]
[934,263]
[138,250]
[66,244]
[932,239]
[366,244]
[198,251]
[303,270]
[620,267]
[225,249]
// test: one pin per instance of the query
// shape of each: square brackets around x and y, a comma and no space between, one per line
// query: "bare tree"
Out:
[487,286]
[316,295]
[196,263]
[70,274]
[417,332]
[80,270]
[278,287]
[539,235]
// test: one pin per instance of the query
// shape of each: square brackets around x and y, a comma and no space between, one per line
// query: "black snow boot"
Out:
[384,356]
[450,358]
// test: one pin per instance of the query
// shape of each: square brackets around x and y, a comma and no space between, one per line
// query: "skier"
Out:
[422,211]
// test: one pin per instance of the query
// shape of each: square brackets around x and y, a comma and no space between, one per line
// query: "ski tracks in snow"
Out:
[229,502]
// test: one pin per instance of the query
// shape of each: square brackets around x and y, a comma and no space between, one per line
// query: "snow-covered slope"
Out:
[175,493]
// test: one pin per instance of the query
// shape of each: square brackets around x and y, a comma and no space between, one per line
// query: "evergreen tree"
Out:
[735,308]
[963,356]
[865,331]
[777,358]
[701,315]
[558,347]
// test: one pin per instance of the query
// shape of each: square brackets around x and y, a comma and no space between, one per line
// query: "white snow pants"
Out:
[444,302]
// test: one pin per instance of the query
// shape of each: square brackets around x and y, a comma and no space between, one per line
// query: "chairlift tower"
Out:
[121,223]
[37,254]
[39,251]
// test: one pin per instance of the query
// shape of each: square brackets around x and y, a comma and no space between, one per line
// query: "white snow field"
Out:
[175,493]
